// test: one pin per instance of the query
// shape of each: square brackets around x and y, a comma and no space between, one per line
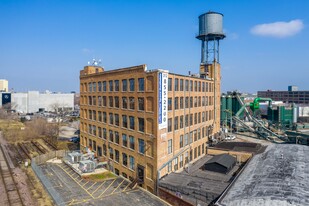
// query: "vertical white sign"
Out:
[163,96]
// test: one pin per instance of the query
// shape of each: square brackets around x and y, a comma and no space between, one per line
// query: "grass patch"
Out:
[101,176]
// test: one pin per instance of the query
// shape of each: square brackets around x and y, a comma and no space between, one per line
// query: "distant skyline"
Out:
[45,43]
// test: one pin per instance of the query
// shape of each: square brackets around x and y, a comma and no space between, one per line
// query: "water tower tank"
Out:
[211,26]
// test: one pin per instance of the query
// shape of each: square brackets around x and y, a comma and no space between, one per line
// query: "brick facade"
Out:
[119,120]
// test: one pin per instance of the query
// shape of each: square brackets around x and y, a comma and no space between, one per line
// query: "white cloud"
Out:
[278,29]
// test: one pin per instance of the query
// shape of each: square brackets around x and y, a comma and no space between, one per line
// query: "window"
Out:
[132,125]
[111,118]
[131,102]
[100,116]
[195,86]
[111,153]
[124,121]
[104,150]
[116,85]
[104,101]
[100,132]
[116,137]
[181,85]
[132,164]
[191,119]
[104,86]
[141,123]
[169,84]
[111,88]
[195,101]
[191,137]
[191,85]
[176,164]
[117,119]
[117,102]
[124,140]
[191,102]
[169,104]
[124,159]
[176,123]
[99,101]
[89,100]
[187,85]
[169,167]
[104,117]
[187,102]
[141,86]
[124,85]
[169,125]
[141,146]
[111,135]
[176,84]
[181,103]
[100,86]
[132,143]
[180,161]
[186,120]
[104,133]
[141,104]
[181,141]
[111,102]
[90,87]
[186,139]
[131,81]
[116,155]
[199,86]
[124,103]
[181,122]
[176,103]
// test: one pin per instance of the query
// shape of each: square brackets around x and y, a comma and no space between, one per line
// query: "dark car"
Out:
[75,139]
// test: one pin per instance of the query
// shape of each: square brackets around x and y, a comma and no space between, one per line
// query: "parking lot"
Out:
[74,190]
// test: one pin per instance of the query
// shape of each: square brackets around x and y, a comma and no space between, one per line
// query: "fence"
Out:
[46,183]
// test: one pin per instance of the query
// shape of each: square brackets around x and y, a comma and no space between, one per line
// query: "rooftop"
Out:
[278,176]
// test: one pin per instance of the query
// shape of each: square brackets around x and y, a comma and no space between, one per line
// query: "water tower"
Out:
[210,33]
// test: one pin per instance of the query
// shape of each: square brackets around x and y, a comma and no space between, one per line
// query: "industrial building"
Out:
[4,85]
[290,96]
[148,123]
[34,101]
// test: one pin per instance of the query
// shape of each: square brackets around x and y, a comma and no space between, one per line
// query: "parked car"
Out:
[74,139]
[230,137]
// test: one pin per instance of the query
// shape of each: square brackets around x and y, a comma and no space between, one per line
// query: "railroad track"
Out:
[12,195]
[25,150]
[50,146]
[39,147]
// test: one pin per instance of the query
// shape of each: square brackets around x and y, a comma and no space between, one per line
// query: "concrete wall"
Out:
[32,101]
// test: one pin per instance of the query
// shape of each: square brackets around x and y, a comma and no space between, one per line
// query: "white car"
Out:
[230,137]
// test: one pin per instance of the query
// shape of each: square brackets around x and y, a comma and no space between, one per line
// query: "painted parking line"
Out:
[117,187]
[99,187]
[85,184]
[126,187]
[77,182]
[107,188]
[91,186]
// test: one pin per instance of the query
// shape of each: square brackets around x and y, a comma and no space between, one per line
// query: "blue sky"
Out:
[45,43]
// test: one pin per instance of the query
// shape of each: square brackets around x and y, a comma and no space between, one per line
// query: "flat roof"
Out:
[194,181]
[278,176]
